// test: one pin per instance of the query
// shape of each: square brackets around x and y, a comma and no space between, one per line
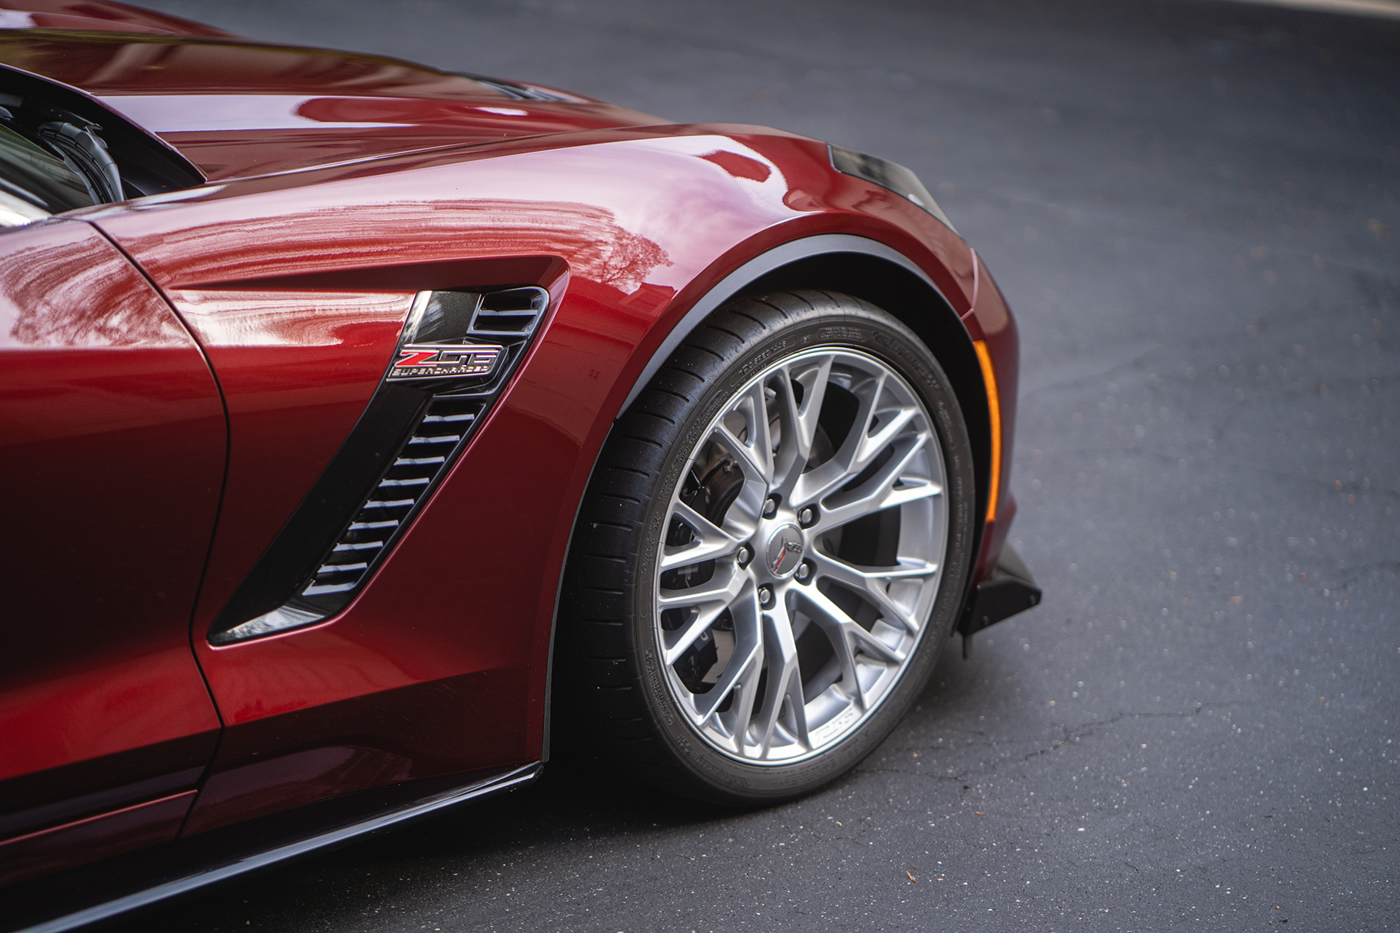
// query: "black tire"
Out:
[620,706]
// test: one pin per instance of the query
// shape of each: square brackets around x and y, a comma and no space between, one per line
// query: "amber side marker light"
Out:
[989,376]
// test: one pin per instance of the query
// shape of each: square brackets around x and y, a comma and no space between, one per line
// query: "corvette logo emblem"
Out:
[784,551]
[438,361]
[789,548]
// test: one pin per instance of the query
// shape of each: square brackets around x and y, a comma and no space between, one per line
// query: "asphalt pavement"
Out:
[1194,208]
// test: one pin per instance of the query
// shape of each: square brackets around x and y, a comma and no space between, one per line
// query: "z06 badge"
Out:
[420,361]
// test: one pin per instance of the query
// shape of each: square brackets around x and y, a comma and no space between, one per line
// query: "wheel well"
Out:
[915,303]
[920,308]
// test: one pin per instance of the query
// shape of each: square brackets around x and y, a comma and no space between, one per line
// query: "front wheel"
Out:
[771,553]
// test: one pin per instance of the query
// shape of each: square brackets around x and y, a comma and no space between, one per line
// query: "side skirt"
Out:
[189,864]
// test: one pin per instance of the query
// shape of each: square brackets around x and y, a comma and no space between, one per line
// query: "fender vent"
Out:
[457,352]
[432,446]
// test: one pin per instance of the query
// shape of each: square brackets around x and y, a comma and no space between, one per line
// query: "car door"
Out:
[112,455]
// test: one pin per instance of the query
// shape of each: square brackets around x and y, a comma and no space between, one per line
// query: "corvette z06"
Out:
[370,430]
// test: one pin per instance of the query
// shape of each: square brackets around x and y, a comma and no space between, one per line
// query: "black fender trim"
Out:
[885,277]
[756,269]
[880,274]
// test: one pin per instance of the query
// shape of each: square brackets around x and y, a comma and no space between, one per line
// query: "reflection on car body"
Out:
[352,407]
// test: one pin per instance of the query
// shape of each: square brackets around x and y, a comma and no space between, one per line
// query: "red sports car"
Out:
[368,425]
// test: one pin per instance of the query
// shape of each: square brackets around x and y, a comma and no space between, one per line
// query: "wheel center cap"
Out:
[784,551]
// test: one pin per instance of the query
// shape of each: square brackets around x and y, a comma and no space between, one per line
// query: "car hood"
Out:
[237,108]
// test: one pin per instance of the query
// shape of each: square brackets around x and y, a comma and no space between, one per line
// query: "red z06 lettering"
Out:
[435,362]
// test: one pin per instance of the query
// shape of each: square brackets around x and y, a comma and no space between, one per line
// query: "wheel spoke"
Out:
[784,683]
[760,436]
[723,588]
[847,637]
[745,697]
[711,541]
[871,584]
[748,653]
[709,600]
[799,421]
[814,382]
[858,449]
[744,514]
[750,661]
[871,445]
[856,446]
[879,492]
[755,453]
[834,621]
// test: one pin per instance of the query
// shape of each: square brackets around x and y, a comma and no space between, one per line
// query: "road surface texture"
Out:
[1194,208]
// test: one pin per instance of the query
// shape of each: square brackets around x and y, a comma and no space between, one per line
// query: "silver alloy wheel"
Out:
[802,554]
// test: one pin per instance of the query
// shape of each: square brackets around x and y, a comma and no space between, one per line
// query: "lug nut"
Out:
[804,571]
[770,508]
[745,555]
[765,596]
[807,517]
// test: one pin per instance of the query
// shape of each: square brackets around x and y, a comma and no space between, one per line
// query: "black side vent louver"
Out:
[429,450]
[457,352]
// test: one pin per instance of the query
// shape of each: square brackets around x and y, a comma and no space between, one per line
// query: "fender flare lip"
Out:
[753,270]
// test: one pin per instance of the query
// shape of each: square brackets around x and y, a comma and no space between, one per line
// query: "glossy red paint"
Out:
[343,184]
[236,108]
[438,727]
[296,368]
[97,837]
[112,434]
[321,710]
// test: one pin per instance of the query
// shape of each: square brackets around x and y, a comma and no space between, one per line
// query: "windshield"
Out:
[34,183]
